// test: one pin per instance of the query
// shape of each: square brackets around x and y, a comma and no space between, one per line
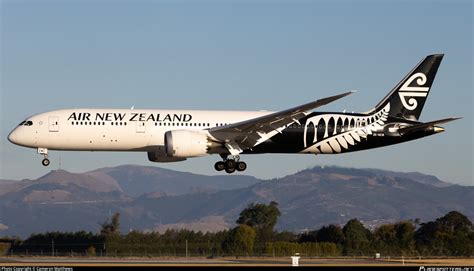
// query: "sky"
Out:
[236,55]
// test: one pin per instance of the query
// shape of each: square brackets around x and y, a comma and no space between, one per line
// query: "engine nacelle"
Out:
[185,143]
[159,156]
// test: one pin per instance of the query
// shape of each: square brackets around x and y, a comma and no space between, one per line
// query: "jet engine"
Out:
[185,143]
[159,156]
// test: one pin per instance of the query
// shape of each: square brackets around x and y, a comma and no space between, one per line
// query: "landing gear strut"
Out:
[230,164]
[44,152]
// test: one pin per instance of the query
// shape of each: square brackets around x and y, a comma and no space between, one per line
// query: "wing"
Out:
[247,134]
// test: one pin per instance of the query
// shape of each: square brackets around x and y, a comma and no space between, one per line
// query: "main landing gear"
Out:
[230,164]
[44,152]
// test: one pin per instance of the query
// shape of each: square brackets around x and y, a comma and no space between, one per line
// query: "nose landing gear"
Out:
[230,164]
[44,152]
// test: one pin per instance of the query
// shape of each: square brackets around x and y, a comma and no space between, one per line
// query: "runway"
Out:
[72,262]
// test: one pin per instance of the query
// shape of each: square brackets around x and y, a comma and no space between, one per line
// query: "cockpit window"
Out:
[26,123]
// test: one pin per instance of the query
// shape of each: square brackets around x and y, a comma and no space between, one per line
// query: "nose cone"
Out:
[13,137]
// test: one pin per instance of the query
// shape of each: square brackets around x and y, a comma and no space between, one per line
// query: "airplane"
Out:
[176,135]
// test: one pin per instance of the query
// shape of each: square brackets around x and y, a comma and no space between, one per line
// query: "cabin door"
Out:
[140,126]
[53,124]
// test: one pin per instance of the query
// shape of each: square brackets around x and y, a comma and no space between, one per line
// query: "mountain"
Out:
[137,180]
[319,196]
[152,198]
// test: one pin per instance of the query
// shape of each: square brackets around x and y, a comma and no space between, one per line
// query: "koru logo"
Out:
[419,91]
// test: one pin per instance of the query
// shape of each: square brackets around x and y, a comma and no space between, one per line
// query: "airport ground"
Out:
[254,261]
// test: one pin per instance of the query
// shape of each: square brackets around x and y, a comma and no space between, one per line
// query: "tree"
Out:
[308,237]
[240,240]
[112,227]
[405,232]
[356,238]
[395,239]
[262,218]
[285,236]
[454,222]
[330,234]
[452,234]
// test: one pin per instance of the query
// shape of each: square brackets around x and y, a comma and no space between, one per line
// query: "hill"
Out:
[152,198]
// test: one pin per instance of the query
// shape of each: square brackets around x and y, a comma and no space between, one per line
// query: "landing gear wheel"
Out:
[230,164]
[45,162]
[219,166]
[230,170]
[241,166]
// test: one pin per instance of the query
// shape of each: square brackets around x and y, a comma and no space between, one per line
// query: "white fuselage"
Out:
[116,129]
[175,135]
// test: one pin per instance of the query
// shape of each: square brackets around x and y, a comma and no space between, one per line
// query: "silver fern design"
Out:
[336,133]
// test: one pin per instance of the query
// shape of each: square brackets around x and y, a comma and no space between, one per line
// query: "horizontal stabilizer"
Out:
[426,125]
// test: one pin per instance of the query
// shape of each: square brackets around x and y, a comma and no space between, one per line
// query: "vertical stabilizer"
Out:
[408,97]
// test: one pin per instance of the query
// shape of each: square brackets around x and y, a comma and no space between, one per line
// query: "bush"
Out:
[91,251]
[281,249]
[4,248]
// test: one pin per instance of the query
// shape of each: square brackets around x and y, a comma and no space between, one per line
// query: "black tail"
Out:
[408,97]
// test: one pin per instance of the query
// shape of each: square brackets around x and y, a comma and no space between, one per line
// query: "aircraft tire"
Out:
[219,166]
[230,170]
[45,162]
[230,164]
[241,166]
